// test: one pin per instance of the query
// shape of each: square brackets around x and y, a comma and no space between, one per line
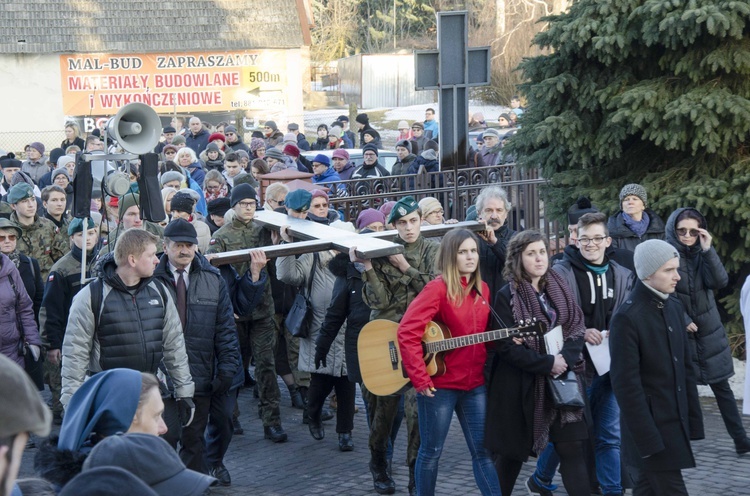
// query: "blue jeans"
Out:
[435,415]
[606,415]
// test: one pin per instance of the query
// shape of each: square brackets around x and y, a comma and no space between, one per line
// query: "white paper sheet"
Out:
[600,354]
[554,341]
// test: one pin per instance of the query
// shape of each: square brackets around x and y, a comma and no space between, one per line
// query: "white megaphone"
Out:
[136,127]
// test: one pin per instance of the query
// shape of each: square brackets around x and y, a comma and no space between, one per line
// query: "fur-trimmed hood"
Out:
[58,466]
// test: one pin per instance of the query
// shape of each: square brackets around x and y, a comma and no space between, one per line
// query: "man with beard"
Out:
[492,208]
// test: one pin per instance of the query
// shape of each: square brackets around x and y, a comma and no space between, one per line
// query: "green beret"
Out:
[9,224]
[404,206]
[76,225]
[19,192]
[298,200]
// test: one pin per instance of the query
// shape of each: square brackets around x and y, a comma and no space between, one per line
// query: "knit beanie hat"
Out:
[369,147]
[169,147]
[242,154]
[362,119]
[256,143]
[182,202]
[38,147]
[336,131]
[274,152]
[290,137]
[217,136]
[230,129]
[405,144]
[386,208]
[634,189]
[242,192]
[59,171]
[403,125]
[429,205]
[127,201]
[322,159]
[369,216]
[419,125]
[272,125]
[318,193]
[579,208]
[64,160]
[491,132]
[291,150]
[652,254]
[171,176]
[212,147]
[178,140]
[55,154]
[219,206]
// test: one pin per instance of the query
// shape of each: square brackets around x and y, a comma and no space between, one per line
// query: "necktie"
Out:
[182,297]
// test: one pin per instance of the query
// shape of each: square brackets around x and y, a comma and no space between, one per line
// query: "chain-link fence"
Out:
[16,141]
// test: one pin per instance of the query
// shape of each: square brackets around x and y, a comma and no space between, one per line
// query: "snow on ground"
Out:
[736,382]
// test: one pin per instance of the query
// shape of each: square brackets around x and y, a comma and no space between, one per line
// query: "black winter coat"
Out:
[654,382]
[346,306]
[492,260]
[211,339]
[702,273]
[31,276]
[623,237]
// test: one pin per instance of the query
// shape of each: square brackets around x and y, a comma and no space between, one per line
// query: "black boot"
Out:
[381,481]
[412,480]
[742,446]
[296,397]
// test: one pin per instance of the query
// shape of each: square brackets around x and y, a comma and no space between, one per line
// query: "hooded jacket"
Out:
[238,145]
[136,328]
[701,274]
[327,178]
[402,166]
[624,237]
[210,334]
[217,164]
[297,272]
[302,143]
[17,308]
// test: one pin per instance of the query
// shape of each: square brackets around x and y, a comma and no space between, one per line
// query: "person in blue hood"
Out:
[110,402]
[326,175]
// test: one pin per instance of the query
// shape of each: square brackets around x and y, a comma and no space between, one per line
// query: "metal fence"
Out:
[16,141]
[457,191]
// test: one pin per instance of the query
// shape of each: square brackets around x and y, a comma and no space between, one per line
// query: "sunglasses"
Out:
[9,237]
[693,233]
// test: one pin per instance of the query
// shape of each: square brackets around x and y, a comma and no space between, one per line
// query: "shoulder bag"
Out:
[298,319]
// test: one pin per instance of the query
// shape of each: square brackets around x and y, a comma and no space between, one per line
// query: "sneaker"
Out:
[534,488]
[220,473]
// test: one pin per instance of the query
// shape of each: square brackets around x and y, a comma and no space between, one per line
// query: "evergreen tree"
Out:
[648,91]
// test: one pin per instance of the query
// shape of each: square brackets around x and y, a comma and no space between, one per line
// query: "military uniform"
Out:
[259,331]
[388,292]
[63,283]
[43,241]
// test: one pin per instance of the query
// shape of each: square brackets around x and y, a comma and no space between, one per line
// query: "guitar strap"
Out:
[494,313]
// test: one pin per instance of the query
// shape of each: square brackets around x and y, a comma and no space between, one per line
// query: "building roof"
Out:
[134,26]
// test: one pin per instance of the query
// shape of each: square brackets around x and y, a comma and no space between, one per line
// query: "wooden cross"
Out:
[452,69]
[318,237]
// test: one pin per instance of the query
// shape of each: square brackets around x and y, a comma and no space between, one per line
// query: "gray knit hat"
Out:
[170,176]
[652,254]
[634,189]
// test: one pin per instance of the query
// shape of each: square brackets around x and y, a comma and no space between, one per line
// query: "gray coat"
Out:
[295,272]
[702,273]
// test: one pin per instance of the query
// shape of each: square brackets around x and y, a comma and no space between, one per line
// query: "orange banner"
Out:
[182,82]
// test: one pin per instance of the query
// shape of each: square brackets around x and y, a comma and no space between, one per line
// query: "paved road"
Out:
[303,466]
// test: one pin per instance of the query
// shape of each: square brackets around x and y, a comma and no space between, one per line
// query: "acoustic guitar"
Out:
[380,357]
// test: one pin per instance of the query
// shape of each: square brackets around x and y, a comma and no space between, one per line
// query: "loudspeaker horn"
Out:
[136,127]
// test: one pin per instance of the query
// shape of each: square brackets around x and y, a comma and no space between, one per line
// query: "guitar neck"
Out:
[471,339]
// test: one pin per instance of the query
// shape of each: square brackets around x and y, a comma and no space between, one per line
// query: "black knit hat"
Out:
[579,208]
[219,206]
[362,119]
[182,202]
[371,148]
[243,192]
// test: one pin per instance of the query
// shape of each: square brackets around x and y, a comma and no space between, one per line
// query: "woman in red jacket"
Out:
[457,298]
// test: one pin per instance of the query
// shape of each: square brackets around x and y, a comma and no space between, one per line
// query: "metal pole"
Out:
[84,250]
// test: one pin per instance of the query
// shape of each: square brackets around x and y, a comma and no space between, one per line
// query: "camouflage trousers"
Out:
[381,411]
[291,347]
[52,376]
[262,336]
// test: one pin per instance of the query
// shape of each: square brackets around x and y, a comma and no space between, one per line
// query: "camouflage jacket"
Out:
[388,291]
[44,241]
[237,235]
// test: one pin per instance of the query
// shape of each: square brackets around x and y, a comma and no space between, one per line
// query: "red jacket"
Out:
[464,366]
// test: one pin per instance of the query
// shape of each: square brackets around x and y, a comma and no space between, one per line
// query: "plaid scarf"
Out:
[15,257]
[223,192]
[525,305]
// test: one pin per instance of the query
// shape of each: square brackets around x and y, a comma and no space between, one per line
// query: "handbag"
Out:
[298,319]
[565,392]
[33,367]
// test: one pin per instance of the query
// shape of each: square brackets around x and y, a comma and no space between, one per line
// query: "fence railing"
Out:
[457,191]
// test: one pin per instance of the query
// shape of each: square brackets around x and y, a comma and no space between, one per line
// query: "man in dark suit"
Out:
[653,376]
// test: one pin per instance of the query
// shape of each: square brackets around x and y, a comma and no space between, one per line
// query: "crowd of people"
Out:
[145,345]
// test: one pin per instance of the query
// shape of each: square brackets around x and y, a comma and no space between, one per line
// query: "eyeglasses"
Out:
[277,202]
[9,237]
[250,204]
[587,241]
[682,232]
[369,155]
